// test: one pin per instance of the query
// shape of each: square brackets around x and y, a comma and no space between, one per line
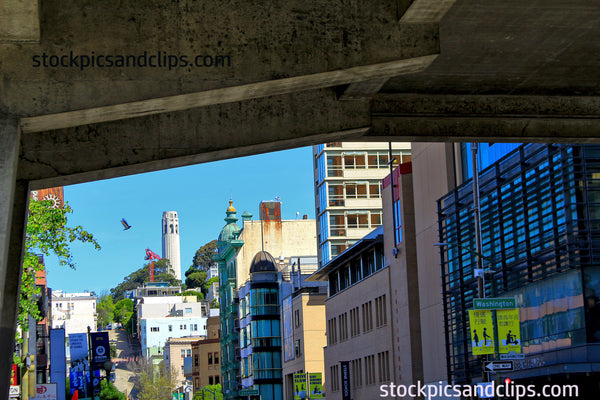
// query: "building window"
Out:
[380,311]
[188,310]
[332,331]
[194,327]
[211,380]
[296,318]
[397,222]
[354,322]
[337,224]
[210,358]
[216,358]
[370,370]
[196,383]
[170,328]
[367,312]
[354,160]
[356,190]
[334,166]
[154,329]
[335,378]
[383,362]
[217,379]
[357,373]
[183,327]
[335,195]
[343,320]
[196,363]
[358,219]
[182,353]
[375,190]
[297,348]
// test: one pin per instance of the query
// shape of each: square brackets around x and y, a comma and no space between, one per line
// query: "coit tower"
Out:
[170,240]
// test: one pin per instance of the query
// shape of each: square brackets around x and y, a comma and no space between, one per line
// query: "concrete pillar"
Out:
[13,207]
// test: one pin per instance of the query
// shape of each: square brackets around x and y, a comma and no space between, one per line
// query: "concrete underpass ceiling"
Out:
[507,70]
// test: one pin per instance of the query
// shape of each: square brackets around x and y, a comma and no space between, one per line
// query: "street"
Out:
[124,370]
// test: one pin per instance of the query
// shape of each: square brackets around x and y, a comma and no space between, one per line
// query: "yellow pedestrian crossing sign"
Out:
[482,332]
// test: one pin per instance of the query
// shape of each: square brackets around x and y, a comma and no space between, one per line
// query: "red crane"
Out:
[150,255]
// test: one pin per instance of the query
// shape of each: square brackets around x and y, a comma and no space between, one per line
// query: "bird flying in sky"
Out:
[125,224]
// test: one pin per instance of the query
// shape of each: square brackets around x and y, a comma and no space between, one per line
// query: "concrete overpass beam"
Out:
[13,206]
[19,21]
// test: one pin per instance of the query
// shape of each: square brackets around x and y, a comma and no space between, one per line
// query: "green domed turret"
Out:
[231,230]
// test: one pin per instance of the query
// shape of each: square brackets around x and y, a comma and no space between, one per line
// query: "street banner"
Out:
[315,384]
[346,395]
[100,348]
[78,381]
[509,331]
[58,362]
[482,332]
[45,391]
[78,346]
[300,392]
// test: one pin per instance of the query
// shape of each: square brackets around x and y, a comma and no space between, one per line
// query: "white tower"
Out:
[170,240]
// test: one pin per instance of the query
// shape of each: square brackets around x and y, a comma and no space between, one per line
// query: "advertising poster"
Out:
[45,391]
[509,331]
[482,332]
[315,385]
[78,346]
[300,392]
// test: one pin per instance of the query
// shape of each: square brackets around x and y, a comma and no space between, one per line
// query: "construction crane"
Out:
[150,255]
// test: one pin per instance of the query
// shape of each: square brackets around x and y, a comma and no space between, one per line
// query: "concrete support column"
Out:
[13,207]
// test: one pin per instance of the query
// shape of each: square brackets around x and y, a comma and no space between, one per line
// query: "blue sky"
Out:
[200,195]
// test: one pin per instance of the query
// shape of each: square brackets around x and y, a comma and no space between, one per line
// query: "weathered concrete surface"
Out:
[19,21]
[13,205]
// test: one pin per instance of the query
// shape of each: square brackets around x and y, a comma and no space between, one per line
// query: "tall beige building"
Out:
[303,335]
[373,325]
[348,191]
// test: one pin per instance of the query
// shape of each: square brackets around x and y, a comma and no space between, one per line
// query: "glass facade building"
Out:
[540,220]
[260,328]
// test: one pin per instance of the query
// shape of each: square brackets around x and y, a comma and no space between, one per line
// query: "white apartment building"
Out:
[73,311]
[172,318]
[348,191]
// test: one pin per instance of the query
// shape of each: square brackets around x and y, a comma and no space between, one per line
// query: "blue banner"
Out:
[100,348]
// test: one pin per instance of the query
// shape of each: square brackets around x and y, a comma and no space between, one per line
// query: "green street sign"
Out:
[494,304]
[248,392]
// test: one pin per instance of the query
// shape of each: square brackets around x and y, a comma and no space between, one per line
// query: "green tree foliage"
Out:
[202,394]
[123,311]
[110,392]
[105,309]
[196,279]
[47,233]
[162,273]
[197,273]
[155,383]
[199,295]
[203,258]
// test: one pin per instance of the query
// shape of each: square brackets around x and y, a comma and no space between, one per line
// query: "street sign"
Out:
[14,391]
[494,304]
[482,332]
[499,366]
[248,392]
[516,356]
